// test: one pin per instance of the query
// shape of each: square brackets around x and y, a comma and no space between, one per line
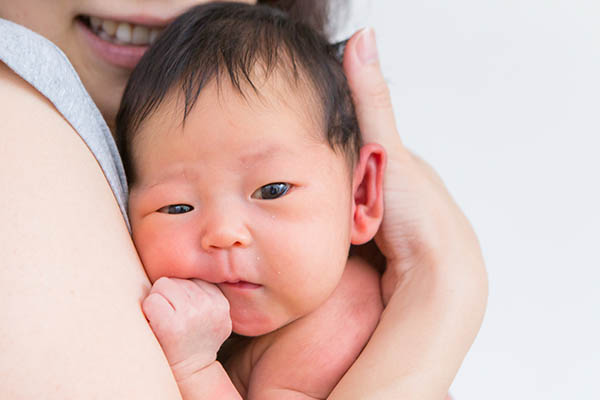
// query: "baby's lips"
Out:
[243,285]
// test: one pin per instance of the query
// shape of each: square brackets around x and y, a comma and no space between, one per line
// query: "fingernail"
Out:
[366,46]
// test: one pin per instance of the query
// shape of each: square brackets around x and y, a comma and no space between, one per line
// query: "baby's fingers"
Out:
[217,303]
[198,286]
[172,290]
[158,311]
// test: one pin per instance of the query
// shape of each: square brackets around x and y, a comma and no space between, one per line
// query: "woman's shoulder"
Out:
[48,72]
[41,64]
[70,280]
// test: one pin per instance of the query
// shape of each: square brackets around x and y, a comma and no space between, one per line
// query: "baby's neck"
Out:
[239,354]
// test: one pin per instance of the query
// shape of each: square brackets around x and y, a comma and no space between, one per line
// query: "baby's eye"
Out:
[176,209]
[271,191]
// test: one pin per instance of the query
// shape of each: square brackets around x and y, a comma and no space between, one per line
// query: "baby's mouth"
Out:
[121,33]
[241,285]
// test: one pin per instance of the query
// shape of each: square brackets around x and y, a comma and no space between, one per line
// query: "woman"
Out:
[70,280]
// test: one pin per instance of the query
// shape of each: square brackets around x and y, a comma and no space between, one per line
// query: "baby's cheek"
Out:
[166,263]
[153,266]
[309,291]
[156,256]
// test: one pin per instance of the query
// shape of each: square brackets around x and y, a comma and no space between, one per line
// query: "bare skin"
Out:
[65,284]
[303,360]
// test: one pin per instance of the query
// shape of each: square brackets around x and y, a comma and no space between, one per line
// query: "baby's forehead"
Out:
[288,93]
[231,130]
[269,101]
[277,93]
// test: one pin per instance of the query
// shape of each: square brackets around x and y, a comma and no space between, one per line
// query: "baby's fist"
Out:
[191,320]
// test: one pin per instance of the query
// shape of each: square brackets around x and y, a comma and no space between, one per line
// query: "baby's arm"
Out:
[191,320]
[307,358]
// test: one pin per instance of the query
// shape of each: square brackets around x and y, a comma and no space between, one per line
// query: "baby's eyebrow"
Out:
[261,153]
[165,178]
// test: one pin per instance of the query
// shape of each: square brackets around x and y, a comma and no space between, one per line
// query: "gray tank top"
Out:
[45,67]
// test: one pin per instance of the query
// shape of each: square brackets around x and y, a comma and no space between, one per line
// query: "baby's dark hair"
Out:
[230,40]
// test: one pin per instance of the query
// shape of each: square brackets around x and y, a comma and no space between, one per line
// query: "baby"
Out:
[248,184]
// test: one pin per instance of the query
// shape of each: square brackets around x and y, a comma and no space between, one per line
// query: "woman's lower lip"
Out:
[122,56]
[242,285]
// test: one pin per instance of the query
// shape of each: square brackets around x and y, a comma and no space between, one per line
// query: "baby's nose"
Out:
[225,230]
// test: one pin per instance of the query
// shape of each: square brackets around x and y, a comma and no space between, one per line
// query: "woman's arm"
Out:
[70,280]
[435,284]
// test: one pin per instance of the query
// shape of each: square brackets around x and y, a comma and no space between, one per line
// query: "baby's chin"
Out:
[257,325]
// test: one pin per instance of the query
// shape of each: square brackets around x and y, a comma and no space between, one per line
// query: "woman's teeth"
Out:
[123,32]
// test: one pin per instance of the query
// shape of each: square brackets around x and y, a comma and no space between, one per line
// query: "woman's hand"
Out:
[434,285]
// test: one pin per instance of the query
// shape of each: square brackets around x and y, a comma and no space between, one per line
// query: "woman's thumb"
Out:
[369,90]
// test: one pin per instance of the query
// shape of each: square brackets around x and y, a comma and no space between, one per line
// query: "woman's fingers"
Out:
[370,92]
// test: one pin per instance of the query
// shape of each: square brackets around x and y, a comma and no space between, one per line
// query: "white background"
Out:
[503,98]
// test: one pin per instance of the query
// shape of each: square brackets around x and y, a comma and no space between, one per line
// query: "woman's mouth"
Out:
[123,33]
[119,43]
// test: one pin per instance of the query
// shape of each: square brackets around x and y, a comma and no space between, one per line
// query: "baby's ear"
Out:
[367,192]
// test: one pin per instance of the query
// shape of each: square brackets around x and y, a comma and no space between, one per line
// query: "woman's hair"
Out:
[239,43]
[318,14]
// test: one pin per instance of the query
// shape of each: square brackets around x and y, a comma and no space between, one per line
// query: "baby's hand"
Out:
[191,320]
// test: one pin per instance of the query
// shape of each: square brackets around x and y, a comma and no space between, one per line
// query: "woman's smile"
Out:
[122,33]
[103,39]
[119,44]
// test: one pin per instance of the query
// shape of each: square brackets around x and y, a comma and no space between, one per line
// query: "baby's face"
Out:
[247,195]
